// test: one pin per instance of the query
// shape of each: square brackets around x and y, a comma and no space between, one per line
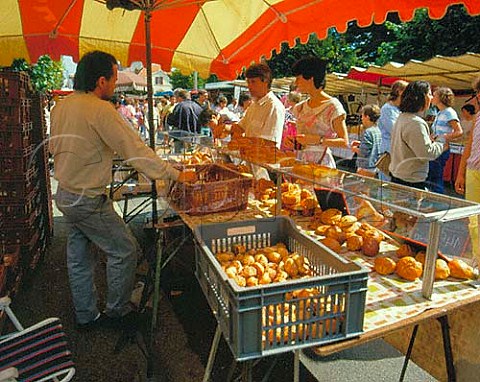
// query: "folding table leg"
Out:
[409,353]
[447,348]
[213,353]
[296,366]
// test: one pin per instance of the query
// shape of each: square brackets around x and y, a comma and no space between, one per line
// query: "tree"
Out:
[179,80]
[422,38]
[45,75]
[335,49]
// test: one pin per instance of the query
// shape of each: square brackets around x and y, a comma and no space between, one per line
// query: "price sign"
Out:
[454,236]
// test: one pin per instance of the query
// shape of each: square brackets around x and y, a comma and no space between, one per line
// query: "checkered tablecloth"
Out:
[391,298]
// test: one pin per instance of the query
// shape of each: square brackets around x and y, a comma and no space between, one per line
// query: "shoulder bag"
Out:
[383,162]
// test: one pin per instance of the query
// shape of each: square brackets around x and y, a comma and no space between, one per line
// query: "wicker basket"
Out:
[218,189]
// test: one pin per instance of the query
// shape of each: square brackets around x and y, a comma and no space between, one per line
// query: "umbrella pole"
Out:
[157,234]
[151,125]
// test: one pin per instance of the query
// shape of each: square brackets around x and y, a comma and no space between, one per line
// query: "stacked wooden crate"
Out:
[25,223]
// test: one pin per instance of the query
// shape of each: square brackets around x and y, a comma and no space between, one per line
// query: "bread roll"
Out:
[442,271]
[309,203]
[331,216]
[370,246]
[260,269]
[241,281]
[405,250]
[354,243]
[291,267]
[247,260]
[347,221]
[333,244]
[249,271]
[290,199]
[336,233]
[274,256]
[460,269]
[420,256]
[385,265]
[408,268]
[321,230]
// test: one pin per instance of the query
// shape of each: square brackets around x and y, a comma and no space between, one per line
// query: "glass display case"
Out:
[441,222]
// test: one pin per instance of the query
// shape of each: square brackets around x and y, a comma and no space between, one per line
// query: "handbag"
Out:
[383,162]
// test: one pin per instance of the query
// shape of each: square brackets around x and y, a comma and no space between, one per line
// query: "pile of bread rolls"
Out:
[314,171]
[263,266]
[197,157]
[296,200]
[302,306]
[409,265]
[339,230]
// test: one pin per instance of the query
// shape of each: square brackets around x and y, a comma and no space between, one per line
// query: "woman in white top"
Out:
[445,127]
[320,118]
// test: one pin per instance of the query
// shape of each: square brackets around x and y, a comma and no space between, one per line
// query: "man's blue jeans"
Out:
[93,220]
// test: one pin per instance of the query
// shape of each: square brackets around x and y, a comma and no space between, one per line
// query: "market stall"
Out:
[211,39]
[391,303]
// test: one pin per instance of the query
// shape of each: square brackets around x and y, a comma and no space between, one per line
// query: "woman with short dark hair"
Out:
[412,148]
[320,118]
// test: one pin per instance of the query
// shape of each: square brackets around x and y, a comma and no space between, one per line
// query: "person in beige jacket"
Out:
[86,131]
[413,147]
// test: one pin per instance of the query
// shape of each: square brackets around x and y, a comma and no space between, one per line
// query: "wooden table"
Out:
[446,344]
[446,334]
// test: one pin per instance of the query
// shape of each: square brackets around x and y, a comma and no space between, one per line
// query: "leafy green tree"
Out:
[179,80]
[45,75]
[335,49]
[422,38]
[20,65]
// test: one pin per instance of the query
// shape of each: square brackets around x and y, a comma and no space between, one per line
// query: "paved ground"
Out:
[185,331]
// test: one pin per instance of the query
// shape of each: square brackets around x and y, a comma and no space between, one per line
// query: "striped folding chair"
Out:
[34,354]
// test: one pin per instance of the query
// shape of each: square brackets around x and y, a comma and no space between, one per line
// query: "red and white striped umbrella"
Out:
[207,36]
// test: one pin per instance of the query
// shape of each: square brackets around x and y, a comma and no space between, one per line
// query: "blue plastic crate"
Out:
[336,312]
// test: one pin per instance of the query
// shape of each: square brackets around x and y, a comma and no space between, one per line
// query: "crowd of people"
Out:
[414,126]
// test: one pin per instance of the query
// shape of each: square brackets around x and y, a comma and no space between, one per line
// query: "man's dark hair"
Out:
[469,108]
[91,67]
[261,71]
[414,97]
[309,67]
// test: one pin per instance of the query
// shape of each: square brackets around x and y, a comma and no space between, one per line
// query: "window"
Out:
[158,80]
